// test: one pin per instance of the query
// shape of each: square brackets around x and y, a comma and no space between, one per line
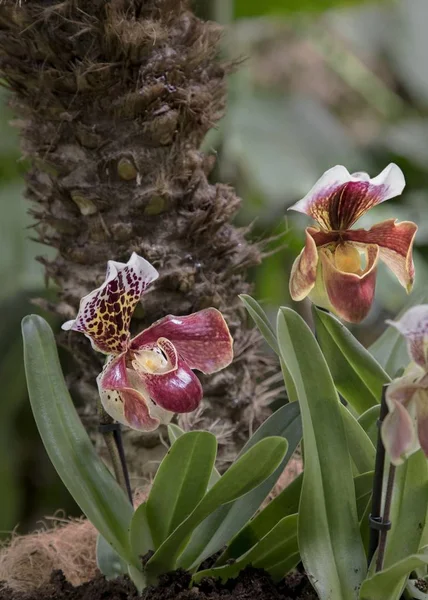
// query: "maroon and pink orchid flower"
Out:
[337,267]
[150,377]
[405,428]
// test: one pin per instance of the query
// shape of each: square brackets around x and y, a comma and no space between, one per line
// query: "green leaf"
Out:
[140,535]
[275,548]
[174,432]
[245,474]
[212,535]
[283,505]
[363,491]
[256,8]
[87,478]
[368,422]
[180,483]
[388,582]
[360,446]
[109,562]
[408,510]
[329,538]
[358,377]
[261,320]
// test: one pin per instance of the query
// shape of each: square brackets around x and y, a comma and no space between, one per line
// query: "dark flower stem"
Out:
[113,440]
[385,518]
[375,515]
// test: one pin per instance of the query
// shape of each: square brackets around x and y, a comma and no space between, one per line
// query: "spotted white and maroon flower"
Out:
[149,378]
[405,428]
[337,267]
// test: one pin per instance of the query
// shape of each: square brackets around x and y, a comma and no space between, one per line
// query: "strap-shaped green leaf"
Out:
[369,422]
[285,504]
[356,374]
[140,535]
[408,510]
[261,320]
[109,562]
[180,483]
[67,443]
[275,548]
[245,474]
[214,533]
[174,432]
[360,446]
[363,491]
[329,538]
[387,584]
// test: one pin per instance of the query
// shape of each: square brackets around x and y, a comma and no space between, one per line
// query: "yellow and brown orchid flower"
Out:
[149,378]
[405,428]
[337,267]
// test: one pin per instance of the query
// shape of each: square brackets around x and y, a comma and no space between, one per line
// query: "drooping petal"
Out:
[304,270]
[105,314]
[413,325]
[399,434]
[123,400]
[395,241]
[201,339]
[422,418]
[339,199]
[350,294]
[176,388]
[398,431]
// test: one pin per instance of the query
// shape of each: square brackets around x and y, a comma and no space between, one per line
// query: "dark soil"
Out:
[251,584]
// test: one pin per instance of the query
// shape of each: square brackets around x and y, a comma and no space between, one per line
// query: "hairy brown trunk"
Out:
[114,99]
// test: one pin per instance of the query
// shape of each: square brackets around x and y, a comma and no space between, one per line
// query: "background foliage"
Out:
[322,82]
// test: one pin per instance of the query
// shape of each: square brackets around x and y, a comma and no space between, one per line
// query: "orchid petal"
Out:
[105,314]
[176,389]
[304,270]
[422,418]
[413,325]
[399,434]
[398,431]
[395,241]
[201,339]
[339,199]
[350,294]
[125,403]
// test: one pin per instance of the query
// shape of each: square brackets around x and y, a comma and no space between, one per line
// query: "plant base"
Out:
[252,583]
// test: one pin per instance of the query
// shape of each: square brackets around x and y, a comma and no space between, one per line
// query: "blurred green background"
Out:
[321,82]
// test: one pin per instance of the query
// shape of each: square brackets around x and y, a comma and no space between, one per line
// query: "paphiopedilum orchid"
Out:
[405,428]
[148,378]
[337,267]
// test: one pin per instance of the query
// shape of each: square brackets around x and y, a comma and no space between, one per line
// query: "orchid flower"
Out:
[148,378]
[405,428]
[337,267]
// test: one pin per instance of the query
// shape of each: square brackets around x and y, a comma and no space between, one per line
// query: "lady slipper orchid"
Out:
[405,428]
[148,378]
[337,267]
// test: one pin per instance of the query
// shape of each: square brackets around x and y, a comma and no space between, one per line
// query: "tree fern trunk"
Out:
[114,99]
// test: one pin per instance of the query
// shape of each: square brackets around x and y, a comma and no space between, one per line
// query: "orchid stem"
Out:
[375,515]
[113,440]
[385,518]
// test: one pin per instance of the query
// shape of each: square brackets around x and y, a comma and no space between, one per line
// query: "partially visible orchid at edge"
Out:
[148,378]
[337,267]
[405,428]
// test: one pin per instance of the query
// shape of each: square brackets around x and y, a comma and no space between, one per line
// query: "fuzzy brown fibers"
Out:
[114,98]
